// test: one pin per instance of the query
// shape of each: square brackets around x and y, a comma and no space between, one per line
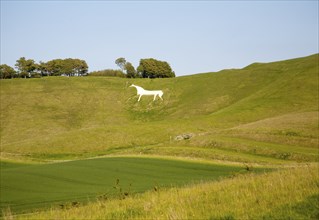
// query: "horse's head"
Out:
[138,88]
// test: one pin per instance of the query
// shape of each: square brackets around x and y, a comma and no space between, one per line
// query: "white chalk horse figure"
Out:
[141,92]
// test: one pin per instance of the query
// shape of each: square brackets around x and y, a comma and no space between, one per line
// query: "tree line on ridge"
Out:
[28,68]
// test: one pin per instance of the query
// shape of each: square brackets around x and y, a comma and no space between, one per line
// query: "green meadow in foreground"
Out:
[30,187]
[83,147]
[287,194]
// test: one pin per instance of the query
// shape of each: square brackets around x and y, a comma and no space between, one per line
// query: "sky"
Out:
[192,36]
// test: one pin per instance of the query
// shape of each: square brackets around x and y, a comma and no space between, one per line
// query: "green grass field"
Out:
[286,194]
[35,186]
[68,140]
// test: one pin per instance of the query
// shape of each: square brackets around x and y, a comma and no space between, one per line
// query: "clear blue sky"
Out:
[193,36]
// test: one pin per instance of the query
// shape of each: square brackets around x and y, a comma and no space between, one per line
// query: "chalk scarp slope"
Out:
[87,116]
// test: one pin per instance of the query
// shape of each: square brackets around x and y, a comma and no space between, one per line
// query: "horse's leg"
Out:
[154,97]
[139,98]
[160,96]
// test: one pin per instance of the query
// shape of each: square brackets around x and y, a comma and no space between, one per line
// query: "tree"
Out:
[68,67]
[54,67]
[6,72]
[80,67]
[121,63]
[130,70]
[25,67]
[152,68]
[42,69]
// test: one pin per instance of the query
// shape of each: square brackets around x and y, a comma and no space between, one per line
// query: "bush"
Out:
[108,72]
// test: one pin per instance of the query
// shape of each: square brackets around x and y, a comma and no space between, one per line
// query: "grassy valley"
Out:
[79,135]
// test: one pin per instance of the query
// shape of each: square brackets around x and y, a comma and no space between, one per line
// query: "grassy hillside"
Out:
[209,125]
[66,117]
